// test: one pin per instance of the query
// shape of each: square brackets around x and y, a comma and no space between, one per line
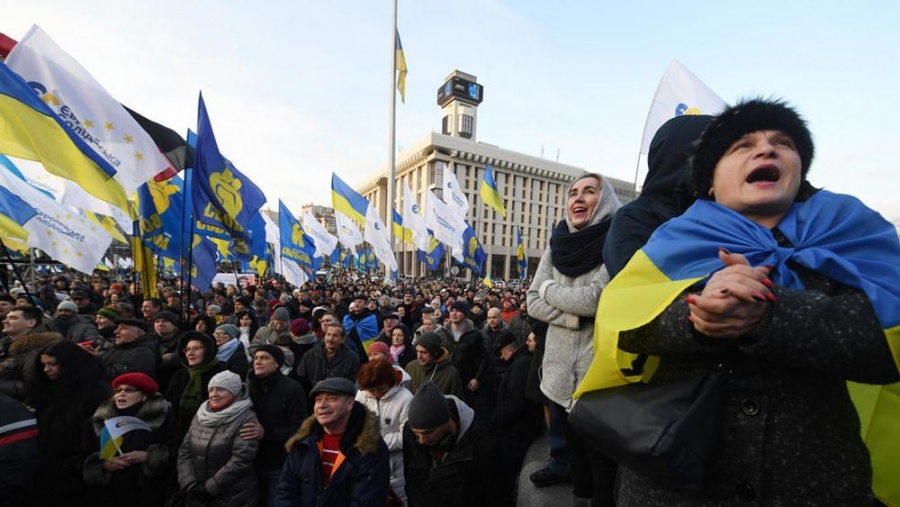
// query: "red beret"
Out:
[137,380]
[380,347]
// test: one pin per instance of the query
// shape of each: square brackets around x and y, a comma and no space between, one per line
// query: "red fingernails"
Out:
[757,296]
[690,319]
[690,299]
[771,297]
[768,283]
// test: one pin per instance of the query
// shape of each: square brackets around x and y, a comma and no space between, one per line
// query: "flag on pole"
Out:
[400,66]
[325,241]
[376,235]
[88,109]
[296,245]
[113,432]
[453,194]
[440,218]
[348,232]
[221,194]
[14,212]
[348,201]
[489,193]
[521,261]
[31,130]
[413,219]
[401,231]
[434,253]
[473,254]
[679,92]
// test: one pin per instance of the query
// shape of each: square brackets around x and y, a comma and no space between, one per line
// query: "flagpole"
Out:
[392,167]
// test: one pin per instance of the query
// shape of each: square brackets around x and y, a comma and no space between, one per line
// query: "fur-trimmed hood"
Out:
[33,341]
[362,433]
[153,412]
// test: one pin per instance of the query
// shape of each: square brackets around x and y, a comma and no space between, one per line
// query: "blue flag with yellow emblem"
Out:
[473,254]
[432,258]
[222,196]
[296,245]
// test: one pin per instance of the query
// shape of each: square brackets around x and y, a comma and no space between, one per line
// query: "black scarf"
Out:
[576,253]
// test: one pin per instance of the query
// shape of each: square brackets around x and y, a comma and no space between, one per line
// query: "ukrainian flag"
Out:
[400,231]
[29,129]
[489,193]
[14,212]
[348,201]
[400,65]
[831,234]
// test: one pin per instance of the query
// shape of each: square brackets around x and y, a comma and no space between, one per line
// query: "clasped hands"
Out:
[734,299]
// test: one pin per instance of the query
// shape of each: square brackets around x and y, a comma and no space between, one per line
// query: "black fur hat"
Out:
[748,115]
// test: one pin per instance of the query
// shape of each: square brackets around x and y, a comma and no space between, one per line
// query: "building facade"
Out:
[533,188]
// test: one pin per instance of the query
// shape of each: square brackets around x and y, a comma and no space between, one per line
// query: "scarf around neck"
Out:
[576,253]
[192,396]
[208,417]
[227,350]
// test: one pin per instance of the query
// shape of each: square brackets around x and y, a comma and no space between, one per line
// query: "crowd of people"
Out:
[428,392]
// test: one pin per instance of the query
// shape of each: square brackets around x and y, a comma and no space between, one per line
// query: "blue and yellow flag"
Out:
[296,245]
[400,66]
[31,130]
[400,231]
[473,253]
[432,258]
[161,215]
[14,212]
[521,261]
[203,262]
[489,193]
[348,201]
[221,195]
[831,234]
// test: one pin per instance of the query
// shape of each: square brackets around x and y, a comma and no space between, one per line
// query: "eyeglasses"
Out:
[127,390]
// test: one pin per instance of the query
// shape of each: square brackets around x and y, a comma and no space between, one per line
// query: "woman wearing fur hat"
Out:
[805,282]
[564,294]
[139,466]
[215,465]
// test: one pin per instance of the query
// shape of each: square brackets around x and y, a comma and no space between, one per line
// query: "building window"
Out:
[466,125]
[445,126]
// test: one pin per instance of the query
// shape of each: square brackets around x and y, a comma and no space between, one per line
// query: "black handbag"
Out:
[664,432]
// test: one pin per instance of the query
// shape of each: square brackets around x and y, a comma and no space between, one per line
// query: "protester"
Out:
[19,453]
[189,385]
[470,357]
[133,350]
[230,351]
[75,328]
[328,359]
[215,465]
[433,365]
[139,467]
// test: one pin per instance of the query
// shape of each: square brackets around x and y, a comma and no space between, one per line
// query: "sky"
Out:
[297,90]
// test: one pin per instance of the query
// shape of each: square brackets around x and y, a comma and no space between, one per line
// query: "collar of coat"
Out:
[362,433]
[153,412]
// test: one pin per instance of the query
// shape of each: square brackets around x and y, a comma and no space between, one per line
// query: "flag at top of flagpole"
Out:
[489,193]
[400,66]
[679,92]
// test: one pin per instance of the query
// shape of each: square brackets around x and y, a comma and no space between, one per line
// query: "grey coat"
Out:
[568,305]
[219,459]
[790,434]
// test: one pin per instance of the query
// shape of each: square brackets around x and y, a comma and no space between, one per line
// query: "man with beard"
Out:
[75,328]
[361,326]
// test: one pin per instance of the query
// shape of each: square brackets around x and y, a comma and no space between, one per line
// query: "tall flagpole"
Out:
[392,167]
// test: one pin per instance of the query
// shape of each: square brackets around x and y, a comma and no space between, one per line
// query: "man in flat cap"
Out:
[337,457]
[133,350]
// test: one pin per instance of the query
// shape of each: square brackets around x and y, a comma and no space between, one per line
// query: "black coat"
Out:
[280,405]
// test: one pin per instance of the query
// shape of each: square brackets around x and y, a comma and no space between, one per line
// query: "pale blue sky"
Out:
[298,89]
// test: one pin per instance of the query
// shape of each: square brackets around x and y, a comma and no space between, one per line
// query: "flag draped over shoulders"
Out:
[831,234]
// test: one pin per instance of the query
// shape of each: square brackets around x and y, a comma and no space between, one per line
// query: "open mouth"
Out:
[765,173]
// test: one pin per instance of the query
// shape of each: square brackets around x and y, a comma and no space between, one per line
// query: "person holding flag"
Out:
[136,436]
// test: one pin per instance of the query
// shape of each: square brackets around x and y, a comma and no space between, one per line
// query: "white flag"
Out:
[87,108]
[414,219]
[273,235]
[679,92]
[347,231]
[121,425]
[377,235]
[448,228]
[61,232]
[453,195]
[325,242]
[293,273]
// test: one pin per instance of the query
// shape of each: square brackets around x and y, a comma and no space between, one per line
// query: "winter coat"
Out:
[19,368]
[267,335]
[790,434]
[359,329]
[137,356]
[80,330]
[281,406]
[470,474]
[361,480]
[145,484]
[182,378]
[217,458]
[19,456]
[391,411]
[316,366]
[516,419]
[441,373]
[468,354]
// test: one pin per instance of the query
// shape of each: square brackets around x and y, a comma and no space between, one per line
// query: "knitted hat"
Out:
[428,408]
[231,329]
[138,323]
[281,314]
[168,316]
[336,385]
[749,115]
[68,305]
[227,380]
[137,380]
[462,306]
[380,347]
[506,338]
[431,342]
[109,311]
[274,351]
[215,308]
[299,327]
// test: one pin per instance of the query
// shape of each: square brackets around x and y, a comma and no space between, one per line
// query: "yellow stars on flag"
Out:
[138,155]
[128,139]
[88,123]
[109,126]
